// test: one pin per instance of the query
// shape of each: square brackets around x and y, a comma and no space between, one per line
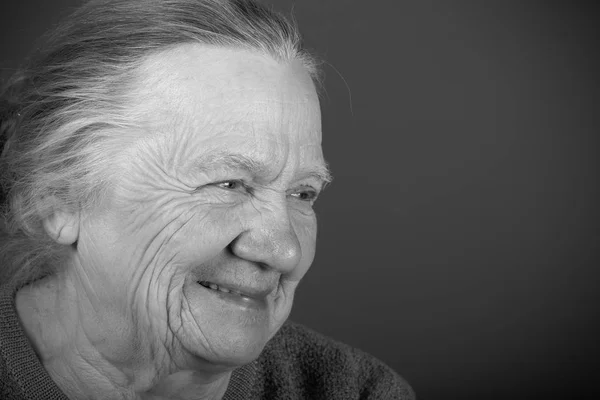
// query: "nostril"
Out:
[229,249]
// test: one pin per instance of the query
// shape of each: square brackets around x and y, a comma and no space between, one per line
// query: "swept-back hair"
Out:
[59,113]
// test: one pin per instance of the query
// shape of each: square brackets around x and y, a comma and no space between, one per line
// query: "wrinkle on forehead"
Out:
[203,99]
[214,77]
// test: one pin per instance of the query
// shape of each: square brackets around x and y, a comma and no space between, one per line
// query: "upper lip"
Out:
[252,291]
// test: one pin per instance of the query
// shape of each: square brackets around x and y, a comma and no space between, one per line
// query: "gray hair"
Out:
[60,112]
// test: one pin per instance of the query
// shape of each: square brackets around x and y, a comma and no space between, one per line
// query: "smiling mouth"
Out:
[256,300]
[214,286]
[255,295]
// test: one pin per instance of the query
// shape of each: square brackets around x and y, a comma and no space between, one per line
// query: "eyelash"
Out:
[232,181]
[238,184]
[313,193]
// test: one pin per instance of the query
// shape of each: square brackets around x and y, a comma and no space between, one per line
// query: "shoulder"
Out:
[314,366]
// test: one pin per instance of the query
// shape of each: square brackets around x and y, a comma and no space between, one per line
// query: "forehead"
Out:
[206,98]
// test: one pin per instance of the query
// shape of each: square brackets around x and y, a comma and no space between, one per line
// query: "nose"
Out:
[271,242]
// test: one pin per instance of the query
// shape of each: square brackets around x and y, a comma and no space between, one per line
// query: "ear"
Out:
[63,226]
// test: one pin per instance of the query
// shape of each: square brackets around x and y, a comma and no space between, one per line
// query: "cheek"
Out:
[208,230]
[161,235]
[152,252]
[193,232]
[305,227]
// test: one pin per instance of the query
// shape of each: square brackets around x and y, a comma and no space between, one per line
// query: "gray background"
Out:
[459,241]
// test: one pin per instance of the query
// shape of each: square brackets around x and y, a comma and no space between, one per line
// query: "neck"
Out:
[50,312]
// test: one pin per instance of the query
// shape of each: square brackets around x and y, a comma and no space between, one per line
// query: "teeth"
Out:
[218,288]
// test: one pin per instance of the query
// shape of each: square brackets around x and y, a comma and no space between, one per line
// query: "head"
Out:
[164,158]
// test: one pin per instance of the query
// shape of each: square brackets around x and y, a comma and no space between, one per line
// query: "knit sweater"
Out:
[297,363]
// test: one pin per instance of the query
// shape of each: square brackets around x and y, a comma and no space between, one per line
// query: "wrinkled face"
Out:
[194,259]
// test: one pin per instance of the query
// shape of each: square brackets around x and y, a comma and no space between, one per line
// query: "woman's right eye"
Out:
[230,185]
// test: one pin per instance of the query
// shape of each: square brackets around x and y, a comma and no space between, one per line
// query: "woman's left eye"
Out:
[306,194]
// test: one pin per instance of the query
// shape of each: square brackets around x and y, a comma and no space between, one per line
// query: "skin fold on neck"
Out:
[50,322]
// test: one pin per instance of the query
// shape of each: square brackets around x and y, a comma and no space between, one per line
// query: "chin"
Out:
[227,330]
[228,345]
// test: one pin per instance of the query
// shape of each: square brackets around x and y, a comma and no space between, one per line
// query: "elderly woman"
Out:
[160,163]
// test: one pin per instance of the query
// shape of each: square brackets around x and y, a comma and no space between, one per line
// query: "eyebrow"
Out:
[236,161]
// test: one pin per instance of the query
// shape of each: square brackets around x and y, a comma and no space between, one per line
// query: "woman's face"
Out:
[194,258]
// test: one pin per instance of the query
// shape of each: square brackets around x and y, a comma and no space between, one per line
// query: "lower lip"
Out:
[241,301]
